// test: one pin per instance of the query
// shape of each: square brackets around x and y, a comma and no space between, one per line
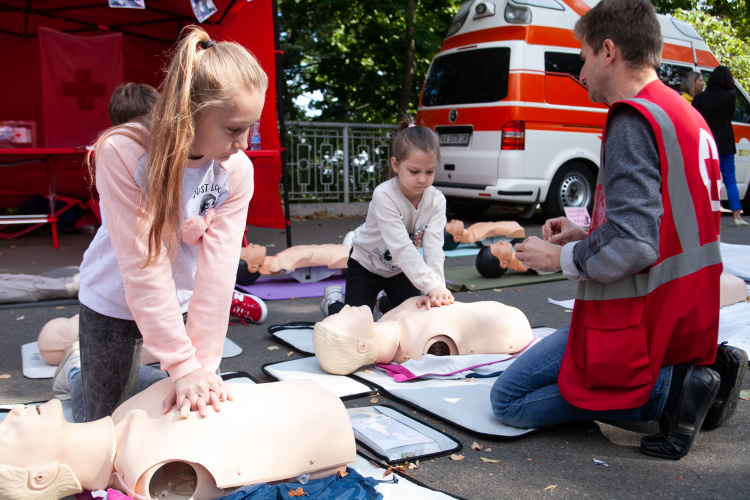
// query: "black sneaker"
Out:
[731,365]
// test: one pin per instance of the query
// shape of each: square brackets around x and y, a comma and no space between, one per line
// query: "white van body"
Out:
[516,125]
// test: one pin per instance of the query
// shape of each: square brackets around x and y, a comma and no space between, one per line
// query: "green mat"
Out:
[468,278]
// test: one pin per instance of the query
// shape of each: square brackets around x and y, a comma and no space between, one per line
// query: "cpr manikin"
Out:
[348,340]
[263,435]
[482,230]
[493,260]
[58,333]
[332,256]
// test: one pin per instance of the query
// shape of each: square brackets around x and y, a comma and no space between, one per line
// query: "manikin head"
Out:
[34,443]
[254,255]
[55,336]
[492,261]
[455,228]
[351,339]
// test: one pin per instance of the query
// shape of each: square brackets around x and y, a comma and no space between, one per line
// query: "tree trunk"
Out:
[403,104]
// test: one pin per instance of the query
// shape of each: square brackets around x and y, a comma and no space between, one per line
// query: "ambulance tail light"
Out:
[514,135]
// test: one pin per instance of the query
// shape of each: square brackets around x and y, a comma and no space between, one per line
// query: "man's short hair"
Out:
[631,24]
[131,101]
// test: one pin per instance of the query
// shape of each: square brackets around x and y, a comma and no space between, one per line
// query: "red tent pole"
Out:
[280,118]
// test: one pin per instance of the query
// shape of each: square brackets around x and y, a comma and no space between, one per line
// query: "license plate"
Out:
[454,139]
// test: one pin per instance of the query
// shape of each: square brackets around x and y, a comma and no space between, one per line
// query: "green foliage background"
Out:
[724,41]
[353,51]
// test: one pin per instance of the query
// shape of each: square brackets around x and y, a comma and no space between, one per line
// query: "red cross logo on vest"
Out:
[84,89]
[708,163]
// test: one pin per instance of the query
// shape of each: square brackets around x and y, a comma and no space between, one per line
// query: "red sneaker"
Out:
[249,307]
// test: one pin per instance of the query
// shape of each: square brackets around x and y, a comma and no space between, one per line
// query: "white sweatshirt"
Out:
[386,244]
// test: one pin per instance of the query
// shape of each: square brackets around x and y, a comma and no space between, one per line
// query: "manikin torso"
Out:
[330,255]
[481,230]
[466,327]
[270,432]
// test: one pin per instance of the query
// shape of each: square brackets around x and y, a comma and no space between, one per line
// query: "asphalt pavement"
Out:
[552,463]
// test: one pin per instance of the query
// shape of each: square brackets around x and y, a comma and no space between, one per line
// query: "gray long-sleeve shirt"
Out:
[629,240]
[386,244]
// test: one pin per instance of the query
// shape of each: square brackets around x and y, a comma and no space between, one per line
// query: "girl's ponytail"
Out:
[171,134]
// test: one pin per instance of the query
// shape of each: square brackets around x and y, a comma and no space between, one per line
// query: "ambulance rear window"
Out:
[468,77]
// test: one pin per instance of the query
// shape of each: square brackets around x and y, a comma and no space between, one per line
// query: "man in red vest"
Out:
[645,322]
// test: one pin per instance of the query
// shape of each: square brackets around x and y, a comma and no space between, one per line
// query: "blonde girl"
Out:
[184,167]
[406,212]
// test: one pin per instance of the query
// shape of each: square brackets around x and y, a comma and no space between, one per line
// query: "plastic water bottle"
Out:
[255,136]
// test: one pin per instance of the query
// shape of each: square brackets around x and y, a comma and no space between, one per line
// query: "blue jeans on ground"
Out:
[726,164]
[526,394]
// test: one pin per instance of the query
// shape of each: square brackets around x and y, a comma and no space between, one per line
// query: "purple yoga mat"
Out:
[286,288]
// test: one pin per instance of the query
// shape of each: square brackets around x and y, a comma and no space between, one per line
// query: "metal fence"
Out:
[336,162]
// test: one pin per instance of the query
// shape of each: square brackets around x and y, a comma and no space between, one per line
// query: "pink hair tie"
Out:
[411,125]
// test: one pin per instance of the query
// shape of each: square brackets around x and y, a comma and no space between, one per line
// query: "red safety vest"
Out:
[622,333]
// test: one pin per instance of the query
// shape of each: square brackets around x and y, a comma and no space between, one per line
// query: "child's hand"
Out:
[195,390]
[438,296]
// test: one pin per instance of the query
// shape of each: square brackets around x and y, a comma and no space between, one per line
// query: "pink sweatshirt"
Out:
[199,280]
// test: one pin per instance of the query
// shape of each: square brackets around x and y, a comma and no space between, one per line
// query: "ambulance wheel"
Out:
[572,186]
[467,210]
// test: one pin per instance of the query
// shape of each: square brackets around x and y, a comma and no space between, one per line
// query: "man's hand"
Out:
[539,255]
[560,231]
[195,390]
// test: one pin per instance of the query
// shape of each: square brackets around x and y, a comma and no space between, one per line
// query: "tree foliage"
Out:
[353,53]
[723,40]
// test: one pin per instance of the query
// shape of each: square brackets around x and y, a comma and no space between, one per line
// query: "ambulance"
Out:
[516,125]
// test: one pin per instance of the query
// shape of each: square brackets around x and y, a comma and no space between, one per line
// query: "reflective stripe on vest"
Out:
[693,258]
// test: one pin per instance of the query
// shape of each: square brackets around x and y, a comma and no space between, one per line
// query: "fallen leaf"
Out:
[457,457]
[388,471]
[12,246]
[476,446]
[485,459]
[5,375]
[368,371]
[680,477]
[292,298]
[473,286]
[745,395]
[551,487]
[299,492]
[411,465]
[488,449]
[374,400]
[20,318]
[289,354]
[272,348]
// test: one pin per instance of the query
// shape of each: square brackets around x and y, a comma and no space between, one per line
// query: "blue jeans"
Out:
[726,164]
[526,394]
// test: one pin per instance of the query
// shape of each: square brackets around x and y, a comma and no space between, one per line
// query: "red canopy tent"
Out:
[146,34]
